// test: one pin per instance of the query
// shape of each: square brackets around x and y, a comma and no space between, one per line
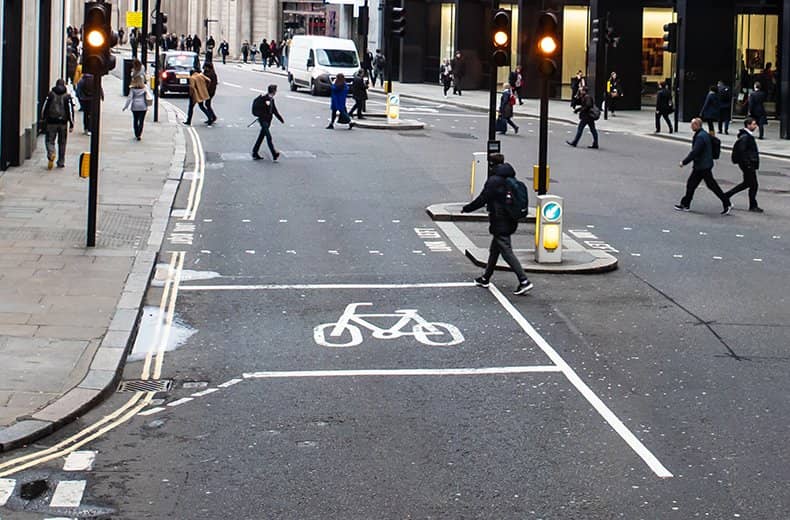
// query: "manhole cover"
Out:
[146,385]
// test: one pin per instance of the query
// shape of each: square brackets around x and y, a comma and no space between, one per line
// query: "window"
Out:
[181,62]
[574,45]
[337,58]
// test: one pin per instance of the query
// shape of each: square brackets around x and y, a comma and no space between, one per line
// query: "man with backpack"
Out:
[57,112]
[379,63]
[505,199]
[747,156]
[265,110]
[588,114]
[702,154]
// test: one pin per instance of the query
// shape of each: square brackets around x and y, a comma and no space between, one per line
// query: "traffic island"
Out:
[469,233]
[376,123]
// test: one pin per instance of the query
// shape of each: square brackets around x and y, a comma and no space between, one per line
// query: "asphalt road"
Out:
[684,345]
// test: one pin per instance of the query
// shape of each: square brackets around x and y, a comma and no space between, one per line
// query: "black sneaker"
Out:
[756,209]
[256,157]
[482,282]
[726,210]
[276,156]
[570,144]
[523,287]
[681,207]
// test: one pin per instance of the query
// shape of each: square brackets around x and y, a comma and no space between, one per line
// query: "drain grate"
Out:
[146,385]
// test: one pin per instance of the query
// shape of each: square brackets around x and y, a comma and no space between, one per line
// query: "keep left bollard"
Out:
[548,229]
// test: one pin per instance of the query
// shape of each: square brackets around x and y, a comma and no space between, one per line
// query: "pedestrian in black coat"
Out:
[710,108]
[518,83]
[501,224]
[585,111]
[701,155]
[86,92]
[747,156]
[506,102]
[57,113]
[757,108]
[359,91]
[458,65]
[725,107]
[663,106]
[265,120]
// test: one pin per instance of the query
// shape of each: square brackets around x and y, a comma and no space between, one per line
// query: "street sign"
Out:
[552,211]
[134,19]
[393,108]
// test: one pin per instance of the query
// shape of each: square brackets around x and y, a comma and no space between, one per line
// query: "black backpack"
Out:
[259,106]
[715,146]
[516,198]
[56,108]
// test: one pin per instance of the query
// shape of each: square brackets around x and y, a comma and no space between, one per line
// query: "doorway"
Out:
[756,47]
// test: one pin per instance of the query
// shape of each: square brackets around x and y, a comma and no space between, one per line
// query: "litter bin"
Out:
[127,75]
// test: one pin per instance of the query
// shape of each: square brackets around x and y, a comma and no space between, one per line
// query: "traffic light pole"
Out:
[93,179]
[157,36]
[543,143]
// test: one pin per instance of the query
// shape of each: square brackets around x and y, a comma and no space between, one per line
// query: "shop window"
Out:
[447,40]
[657,65]
[574,45]
[757,43]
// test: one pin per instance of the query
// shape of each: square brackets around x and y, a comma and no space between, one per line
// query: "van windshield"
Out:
[337,58]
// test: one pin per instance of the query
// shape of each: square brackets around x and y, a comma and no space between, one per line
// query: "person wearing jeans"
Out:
[265,120]
[139,105]
[584,109]
[501,224]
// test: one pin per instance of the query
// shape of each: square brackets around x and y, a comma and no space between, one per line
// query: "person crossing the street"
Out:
[701,155]
[747,156]
[265,114]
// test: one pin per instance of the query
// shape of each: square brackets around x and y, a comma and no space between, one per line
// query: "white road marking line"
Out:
[324,286]
[717,258]
[283,220]
[205,251]
[739,236]
[702,233]
[231,84]
[757,259]
[333,252]
[259,91]
[249,251]
[245,220]
[616,424]
[152,411]
[590,227]
[396,221]
[229,383]
[80,461]
[416,251]
[677,256]
[179,402]
[636,254]
[626,229]
[358,221]
[775,237]
[291,252]
[7,486]
[320,221]
[68,493]
[400,372]
[207,391]
[665,231]
[208,220]
[374,252]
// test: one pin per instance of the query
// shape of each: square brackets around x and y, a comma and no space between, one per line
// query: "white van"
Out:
[314,61]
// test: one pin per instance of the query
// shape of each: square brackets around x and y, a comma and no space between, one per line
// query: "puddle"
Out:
[146,335]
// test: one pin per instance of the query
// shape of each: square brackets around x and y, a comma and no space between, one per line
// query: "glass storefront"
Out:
[574,45]
[304,18]
[757,45]
[657,65]
[447,39]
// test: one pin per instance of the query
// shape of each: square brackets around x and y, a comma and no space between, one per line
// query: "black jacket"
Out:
[58,94]
[745,150]
[756,107]
[493,198]
[271,112]
[710,108]
[358,89]
[701,151]
[585,106]
[664,101]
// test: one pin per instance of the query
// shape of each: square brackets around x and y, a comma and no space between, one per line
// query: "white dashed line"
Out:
[208,220]
[68,493]
[677,256]
[245,220]
[702,233]
[291,252]
[739,236]
[396,221]
[283,220]
[717,258]
[179,402]
[7,486]
[320,221]
[80,461]
[626,229]
[665,231]
[358,221]
[333,252]
[249,251]
[636,254]
[231,84]
[776,237]
[229,383]
[205,392]
[757,259]
[151,411]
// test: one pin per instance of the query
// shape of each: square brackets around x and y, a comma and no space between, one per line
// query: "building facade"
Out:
[735,41]
[31,59]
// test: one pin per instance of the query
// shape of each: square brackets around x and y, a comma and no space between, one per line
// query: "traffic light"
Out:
[595,30]
[396,20]
[671,37]
[548,43]
[99,39]
[500,37]
[159,27]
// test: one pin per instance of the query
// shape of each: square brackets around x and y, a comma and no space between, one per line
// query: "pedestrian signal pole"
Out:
[160,19]
[500,56]
[98,61]
[548,49]
[671,45]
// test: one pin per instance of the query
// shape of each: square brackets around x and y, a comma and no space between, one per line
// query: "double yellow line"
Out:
[154,359]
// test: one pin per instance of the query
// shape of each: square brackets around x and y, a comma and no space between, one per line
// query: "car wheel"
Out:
[162,92]
[292,84]
[313,88]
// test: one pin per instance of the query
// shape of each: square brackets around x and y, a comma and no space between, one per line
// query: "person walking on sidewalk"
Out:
[224,50]
[446,76]
[245,51]
[702,156]
[577,82]
[265,110]
[613,92]
[338,95]
[86,92]
[198,95]
[367,64]
[663,106]
[588,113]
[359,91]
[747,156]
[506,103]
[757,108]
[210,44]
[57,112]
[725,107]
[379,62]
[710,108]
[211,74]
[518,84]
[138,101]
[459,70]
[265,53]
[501,224]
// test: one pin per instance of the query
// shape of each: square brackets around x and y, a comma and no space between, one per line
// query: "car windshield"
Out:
[180,62]
[337,58]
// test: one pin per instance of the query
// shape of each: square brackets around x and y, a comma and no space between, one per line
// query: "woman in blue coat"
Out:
[339,94]
[710,109]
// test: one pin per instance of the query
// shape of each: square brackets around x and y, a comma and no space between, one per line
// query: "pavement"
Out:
[67,312]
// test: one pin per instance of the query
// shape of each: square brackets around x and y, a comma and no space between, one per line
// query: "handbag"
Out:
[343,118]
[149,98]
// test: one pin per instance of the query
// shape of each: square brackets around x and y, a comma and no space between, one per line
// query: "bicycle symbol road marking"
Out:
[347,331]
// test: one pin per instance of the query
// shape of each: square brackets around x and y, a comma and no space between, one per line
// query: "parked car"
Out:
[174,70]
[314,61]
